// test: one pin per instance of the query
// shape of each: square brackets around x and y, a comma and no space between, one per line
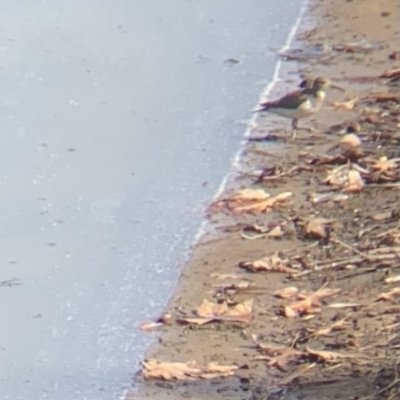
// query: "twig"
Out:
[388,231]
[350,260]
[351,248]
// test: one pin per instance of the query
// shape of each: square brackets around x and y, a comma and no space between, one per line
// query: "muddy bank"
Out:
[301,289]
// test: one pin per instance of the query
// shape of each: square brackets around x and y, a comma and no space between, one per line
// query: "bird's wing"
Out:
[290,101]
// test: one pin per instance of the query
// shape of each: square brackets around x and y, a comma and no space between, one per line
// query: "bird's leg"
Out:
[294,128]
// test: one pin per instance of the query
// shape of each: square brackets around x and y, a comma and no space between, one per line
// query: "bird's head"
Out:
[322,83]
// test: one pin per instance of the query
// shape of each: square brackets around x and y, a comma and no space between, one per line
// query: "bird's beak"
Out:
[333,86]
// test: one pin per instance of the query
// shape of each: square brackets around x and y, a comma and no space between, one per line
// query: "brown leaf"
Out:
[153,369]
[287,293]
[240,198]
[382,216]
[318,227]
[351,139]
[309,305]
[336,326]
[276,355]
[391,73]
[213,370]
[389,296]
[276,232]
[265,205]
[164,319]
[393,279]
[329,356]
[300,371]
[345,106]
[148,326]
[355,182]
[348,177]
[208,312]
[207,309]
[383,164]
[271,264]
[344,305]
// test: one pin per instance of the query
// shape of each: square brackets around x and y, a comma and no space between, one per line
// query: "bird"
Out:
[301,103]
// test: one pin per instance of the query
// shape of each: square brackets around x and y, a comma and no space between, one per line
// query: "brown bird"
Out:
[300,103]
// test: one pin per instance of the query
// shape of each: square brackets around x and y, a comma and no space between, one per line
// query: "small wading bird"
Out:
[301,103]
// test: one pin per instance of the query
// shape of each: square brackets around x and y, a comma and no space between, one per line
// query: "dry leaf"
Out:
[318,227]
[382,216]
[148,326]
[329,356]
[355,182]
[277,356]
[164,319]
[309,305]
[389,296]
[348,177]
[287,293]
[297,373]
[393,279]
[240,198]
[393,73]
[265,205]
[153,369]
[351,139]
[383,164]
[251,195]
[209,311]
[276,232]
[336,326]
[271,264]
[344,305]
[345,106]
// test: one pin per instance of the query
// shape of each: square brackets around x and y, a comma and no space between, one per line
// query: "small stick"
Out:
[351,248]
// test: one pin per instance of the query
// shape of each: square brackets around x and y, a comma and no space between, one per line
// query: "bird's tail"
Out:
[260,109]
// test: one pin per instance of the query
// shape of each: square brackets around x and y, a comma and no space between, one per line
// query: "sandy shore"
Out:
[334,240]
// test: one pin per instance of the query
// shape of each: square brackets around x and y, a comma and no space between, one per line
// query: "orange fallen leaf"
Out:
[164,319]
[275,232]
[393,279]
[344,305]
[336,326]
[348,177]
[208,312]
[310,304]
[389,296]
[153,369]
[393,73]
[270,264]
[148,326]
[277,356]
[300,371]
[287,293]
[355,182]
[383,164]
[318,227]
[351,139]
[329,356]
[345,106]
[240,198]
[265,205]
